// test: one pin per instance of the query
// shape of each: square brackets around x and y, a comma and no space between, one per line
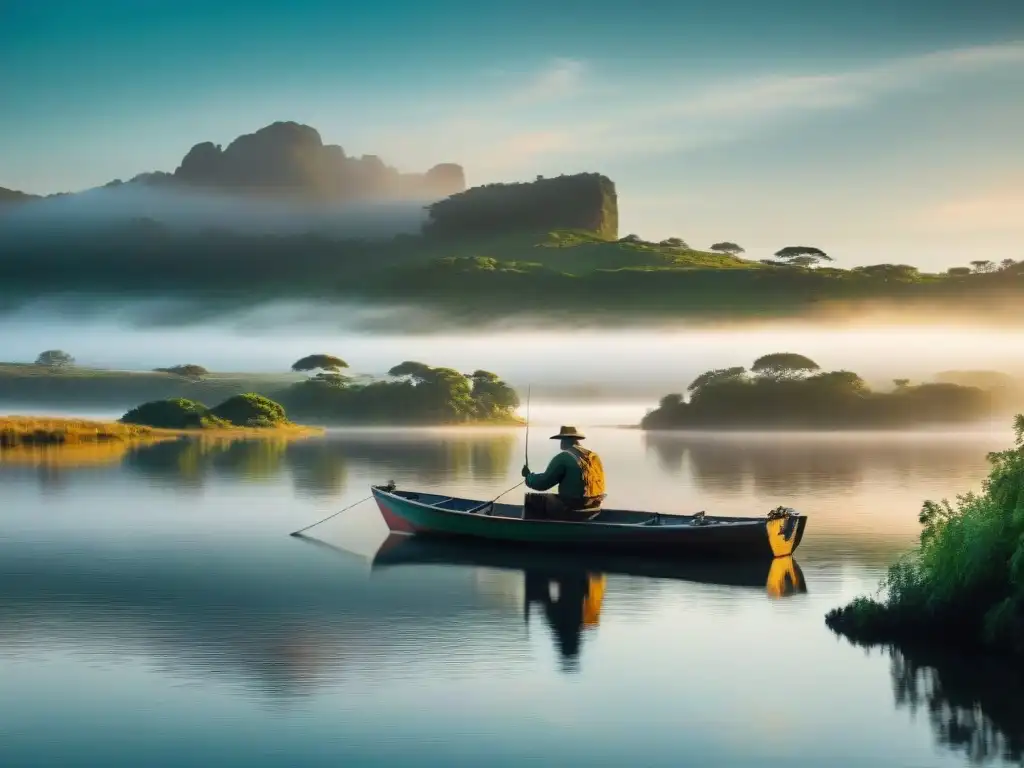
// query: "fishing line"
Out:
[474,510]
[296,533]
[529,391]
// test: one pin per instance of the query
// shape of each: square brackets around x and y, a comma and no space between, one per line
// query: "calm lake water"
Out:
[155,612]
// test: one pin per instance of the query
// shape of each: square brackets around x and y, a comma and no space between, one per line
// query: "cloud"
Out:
[609,115]
[986,213]
[784,94]
[560,79]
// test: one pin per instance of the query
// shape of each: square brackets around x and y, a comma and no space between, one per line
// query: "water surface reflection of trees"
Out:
[787,463]
[974,706]
[320,466]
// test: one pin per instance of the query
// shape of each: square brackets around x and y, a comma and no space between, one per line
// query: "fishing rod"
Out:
[529,391]
[474,510]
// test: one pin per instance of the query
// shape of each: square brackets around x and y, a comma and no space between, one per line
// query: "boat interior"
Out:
[613,516]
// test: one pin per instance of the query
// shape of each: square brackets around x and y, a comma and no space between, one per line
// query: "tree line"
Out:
[786,390]
[413,392]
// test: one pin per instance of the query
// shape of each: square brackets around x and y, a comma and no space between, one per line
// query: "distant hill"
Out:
[14,196]
[289,160]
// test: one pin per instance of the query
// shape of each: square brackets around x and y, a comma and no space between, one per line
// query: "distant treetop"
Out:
[784,365]
[727,247]
[802,255]
[55,358]
[319,363]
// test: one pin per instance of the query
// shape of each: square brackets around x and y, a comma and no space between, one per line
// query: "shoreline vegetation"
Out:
[55,431]
[780,392]
[788,391]
[963,586]
[317,390]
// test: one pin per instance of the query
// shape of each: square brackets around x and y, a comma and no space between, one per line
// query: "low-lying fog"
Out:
[193,210]
[621,364]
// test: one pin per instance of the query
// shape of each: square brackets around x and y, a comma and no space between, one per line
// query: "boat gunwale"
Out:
[731,522]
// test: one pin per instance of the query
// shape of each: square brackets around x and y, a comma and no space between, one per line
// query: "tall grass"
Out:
[32,431]
[964,584]
[18,431]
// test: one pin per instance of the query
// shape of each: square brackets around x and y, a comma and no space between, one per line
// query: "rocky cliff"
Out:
[583,201]
[289,159]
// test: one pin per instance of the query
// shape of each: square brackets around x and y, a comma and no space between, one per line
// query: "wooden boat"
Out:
[778,577]
[430,514]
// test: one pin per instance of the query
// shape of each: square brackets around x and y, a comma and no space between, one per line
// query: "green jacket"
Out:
[575,472]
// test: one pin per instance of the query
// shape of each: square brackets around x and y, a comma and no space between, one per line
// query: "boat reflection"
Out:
[568,588]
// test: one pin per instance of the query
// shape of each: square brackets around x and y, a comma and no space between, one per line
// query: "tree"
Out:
[1007,264]
[331,378]
[668,402]
[175,413]
[901,383]
[492,395]
[727,247]
[250,410]
[187,371]
[417,373]
[716,376]
[982,266]
[958,271]
[802,255]
[674,242]
[889,271]
[839,382]
[630,239]
[319,363]
[780,366]
[55,358]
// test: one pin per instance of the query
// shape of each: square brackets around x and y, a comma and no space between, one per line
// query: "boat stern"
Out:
[785,529]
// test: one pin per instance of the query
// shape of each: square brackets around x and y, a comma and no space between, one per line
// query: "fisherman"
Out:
[579,474]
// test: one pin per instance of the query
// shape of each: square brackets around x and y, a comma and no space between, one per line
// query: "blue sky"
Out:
[877,130]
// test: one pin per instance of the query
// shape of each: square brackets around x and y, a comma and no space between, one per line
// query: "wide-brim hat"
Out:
[569,432]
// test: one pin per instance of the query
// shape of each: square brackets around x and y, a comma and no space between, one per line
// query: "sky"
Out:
[881,130]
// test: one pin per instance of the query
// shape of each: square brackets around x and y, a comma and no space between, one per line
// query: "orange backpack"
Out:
[591,469]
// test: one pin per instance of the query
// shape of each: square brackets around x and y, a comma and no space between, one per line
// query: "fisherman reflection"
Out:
[571,602]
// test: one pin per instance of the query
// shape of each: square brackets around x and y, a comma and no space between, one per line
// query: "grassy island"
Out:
[785,390]
[964,584]
[317,390]
[239,415]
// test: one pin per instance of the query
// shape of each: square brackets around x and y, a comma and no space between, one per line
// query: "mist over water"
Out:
[631,364]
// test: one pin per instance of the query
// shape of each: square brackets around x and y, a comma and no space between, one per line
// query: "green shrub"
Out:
[176,413]
[250,410]
[965,581]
